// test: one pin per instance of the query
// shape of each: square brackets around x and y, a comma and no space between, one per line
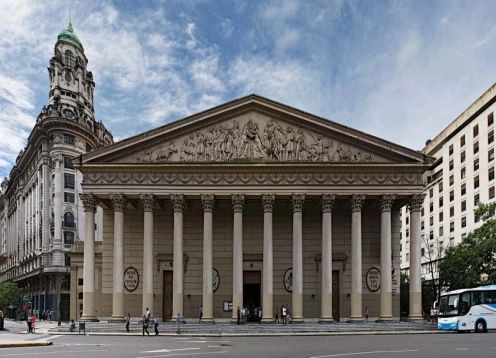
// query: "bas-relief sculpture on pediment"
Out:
[251,138]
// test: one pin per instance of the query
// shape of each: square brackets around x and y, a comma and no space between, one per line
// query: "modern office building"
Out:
[462,176]
[41,214]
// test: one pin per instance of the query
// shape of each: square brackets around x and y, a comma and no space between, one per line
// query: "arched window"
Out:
[69,219]
[69,58]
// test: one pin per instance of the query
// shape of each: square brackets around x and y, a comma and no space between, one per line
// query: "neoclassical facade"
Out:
[251,203]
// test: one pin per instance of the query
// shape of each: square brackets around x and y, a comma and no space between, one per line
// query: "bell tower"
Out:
[71,84]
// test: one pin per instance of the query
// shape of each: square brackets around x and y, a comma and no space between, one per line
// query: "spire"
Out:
[68,35]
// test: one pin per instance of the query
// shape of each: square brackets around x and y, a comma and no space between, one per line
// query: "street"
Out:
[407,345]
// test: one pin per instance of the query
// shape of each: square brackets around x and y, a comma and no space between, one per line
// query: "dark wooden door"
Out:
[335,295]
[167,296]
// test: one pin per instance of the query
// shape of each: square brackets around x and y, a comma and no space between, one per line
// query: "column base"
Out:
[207,321]
[267,321]
[89,319]
[386,320]
[355,320]
[297,320]
[414,319]
[116,320]
[326,320]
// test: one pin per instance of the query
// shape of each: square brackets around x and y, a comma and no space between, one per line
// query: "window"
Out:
[88,148]
[463,173]
[476,164]
[451,179]
[441,216]
[441,231]
[491,173]
[476,147]
[491,192]
[464,205]
[69,59]
[422,211]
[464,221]
[431,192]
[422,251]
[440,187]
[67,260]
[463,189]
[431,207]
[68,197]
[68,181]
[452,195]
[490,137]
[452,226]
[452,211]
[450,150]
[80,295]
[68,237]
[407,219]
[422,225]
[68,163]
[80,281]
[462,140]
[475,130]
[462,157]
[431,221]
[69,139]
[490,119]
[490,155]
[69,219]
[407,233]
[441,202]
[451,164]
[476,199]
[431,234]
[476,182]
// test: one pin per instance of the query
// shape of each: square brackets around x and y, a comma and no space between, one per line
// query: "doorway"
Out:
[335,295]
[252,281]
[167,295]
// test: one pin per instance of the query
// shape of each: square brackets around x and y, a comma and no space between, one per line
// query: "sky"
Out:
[399,70]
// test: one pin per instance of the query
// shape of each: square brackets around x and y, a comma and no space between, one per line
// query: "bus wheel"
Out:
[480,326]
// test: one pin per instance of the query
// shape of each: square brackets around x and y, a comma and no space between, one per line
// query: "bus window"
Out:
[464,303]
[490,297]
[476,298]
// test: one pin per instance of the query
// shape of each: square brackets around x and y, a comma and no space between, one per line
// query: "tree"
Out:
[431,288]
[473,261]
[9,292]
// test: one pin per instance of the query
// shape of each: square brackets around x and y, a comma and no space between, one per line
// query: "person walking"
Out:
[200,314]
[145,325]
[156,322]
[128,321]
[178,323]
[366,313]
[239,315]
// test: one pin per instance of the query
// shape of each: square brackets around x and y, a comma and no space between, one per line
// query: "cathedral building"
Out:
[41,213]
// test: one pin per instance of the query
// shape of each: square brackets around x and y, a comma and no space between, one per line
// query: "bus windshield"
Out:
[448,305]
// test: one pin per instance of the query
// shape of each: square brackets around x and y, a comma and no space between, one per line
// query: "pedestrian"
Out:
[260,315]
[72,327]
[366,314]
[178,323]
[276,319]
[30,323]
[148,314]
[33,323]
[239,315]
[283,309]
[49,315]
[145,325]
[200,314]
[128,321]
[156,322]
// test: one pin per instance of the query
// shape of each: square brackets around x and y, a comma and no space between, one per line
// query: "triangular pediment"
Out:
[253,129]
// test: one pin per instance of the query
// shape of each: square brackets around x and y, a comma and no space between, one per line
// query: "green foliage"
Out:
[473,261]
[9,292]
[404,294]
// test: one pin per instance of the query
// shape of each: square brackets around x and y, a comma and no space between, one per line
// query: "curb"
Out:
[25,344]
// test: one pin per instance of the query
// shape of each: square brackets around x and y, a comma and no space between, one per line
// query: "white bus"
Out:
[470,309]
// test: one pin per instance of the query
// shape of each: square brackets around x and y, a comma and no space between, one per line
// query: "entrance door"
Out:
[167,296]
[335,295]
[251,292]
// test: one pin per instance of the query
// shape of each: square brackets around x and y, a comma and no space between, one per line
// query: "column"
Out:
[386,313]
[327,203]
[90,203]
[356,257]
[238,202]
[57,258]
[208,208]
[297,294]
[415,298]
[148,201]
[119,202]
[268,274]
[178,204]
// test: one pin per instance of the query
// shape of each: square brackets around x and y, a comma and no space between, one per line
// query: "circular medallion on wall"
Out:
[215,280]
[288,279]
[373,279]
[131,279]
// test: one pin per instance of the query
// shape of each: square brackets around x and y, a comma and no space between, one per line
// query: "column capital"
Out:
[297,201]
[268,202]
[208,201]
[238,201]
[357,201]
[178,202]
[57,159]
[327,202]
[415,203]
[119,201]
[148,201]
[90,202]
[387,201]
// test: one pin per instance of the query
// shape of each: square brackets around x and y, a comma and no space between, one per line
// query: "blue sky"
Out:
[400,70]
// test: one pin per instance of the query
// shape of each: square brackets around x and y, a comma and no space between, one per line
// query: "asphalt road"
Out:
[370,346]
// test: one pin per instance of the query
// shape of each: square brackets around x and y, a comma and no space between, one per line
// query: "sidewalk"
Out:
[15,334]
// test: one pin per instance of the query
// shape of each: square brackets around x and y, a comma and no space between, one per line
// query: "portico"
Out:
[251,186]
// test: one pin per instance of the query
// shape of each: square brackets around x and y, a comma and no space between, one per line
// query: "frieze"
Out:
[251,140]
[253,178]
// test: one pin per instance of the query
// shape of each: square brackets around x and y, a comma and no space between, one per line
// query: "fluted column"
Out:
[327,203]
[148,201]
[356,257]
[297,294]
[267,289]
[415,265]
[119,202]
[90,203]
[386,313]
[208,208]
[57,256]
[179,204]
[238,202]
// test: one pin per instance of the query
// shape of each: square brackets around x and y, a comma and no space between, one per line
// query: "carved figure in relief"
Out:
[290,146]
[163,153]
[200,147]
[251,144]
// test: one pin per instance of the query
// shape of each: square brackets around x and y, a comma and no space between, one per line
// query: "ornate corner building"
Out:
[41,212]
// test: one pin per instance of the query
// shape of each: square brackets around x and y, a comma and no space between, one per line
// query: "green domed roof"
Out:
[68,35]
